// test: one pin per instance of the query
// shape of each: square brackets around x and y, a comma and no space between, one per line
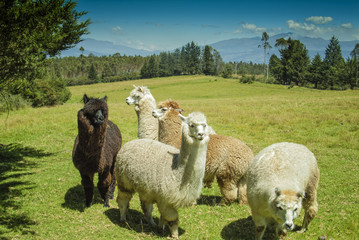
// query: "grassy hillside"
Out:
[40,192]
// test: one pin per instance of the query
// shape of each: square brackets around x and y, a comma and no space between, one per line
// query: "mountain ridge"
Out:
[235,49]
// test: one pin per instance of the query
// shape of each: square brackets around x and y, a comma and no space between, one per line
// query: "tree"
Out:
[218,63]
[208,61]
[294,62]
[333,63]
[316,71]
[266,46]
[31,30]
[92,74]
[190,56]
[275,67]
[228,70]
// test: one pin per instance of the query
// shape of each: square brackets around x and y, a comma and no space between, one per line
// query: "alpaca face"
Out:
[195,126]
[95,110]
[287,206]
[136,95]
[158,113]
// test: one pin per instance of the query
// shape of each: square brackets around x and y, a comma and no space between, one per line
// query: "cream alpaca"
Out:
[281,179]
[227,158]
[144,103]
[162,174]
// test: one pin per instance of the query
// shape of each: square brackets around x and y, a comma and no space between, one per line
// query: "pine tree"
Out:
[333,64]
[208,61]
[316,71]
[275,67]
[92,74]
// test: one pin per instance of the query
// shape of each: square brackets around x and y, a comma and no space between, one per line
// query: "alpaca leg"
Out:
[208,180]
[87,183]
[147,208]
[310,206]
[103,186]
[113,178]
[242,191]
[228,189]
[260,225]
[123,199]
[310,203]
[169,215]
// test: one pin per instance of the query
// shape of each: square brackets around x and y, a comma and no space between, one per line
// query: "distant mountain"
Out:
[246,49]
[102,48]
[235,50]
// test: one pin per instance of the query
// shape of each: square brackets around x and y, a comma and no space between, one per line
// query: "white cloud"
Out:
[252,27]
[319,19]
[301,26]
[237,31]
[117,29]
[347,25]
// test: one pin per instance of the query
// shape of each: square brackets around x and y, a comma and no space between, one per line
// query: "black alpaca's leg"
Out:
[87,183]
[113,180]
[103,185]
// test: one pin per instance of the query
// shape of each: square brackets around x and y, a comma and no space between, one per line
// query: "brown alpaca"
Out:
[95,149]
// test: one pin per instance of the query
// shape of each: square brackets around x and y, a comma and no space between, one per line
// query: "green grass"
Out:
[40,192]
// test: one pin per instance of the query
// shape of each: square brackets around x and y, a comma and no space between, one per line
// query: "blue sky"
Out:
[166,24]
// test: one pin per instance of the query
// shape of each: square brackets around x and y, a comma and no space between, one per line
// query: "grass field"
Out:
[40,192]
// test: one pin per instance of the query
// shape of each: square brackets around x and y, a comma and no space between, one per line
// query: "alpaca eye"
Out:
[295,209]
[164,109]
[192,126]
[280,208]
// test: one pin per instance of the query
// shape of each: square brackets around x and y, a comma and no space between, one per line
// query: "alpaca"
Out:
[227,158]
[144,103]
[95,148]
[169,124]
[281,179]
[162,174]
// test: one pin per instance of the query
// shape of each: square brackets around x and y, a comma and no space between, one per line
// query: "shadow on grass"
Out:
[13,166]
[244,229]
[136,222]
[209,200]
[75,198]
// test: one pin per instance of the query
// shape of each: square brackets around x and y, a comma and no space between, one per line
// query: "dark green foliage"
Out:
[316,71]
[228,71]
[333,66]
[30,30]
[208,61]
[247,79]
[92,74]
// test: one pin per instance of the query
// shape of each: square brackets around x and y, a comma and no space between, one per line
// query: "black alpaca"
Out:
[95,149]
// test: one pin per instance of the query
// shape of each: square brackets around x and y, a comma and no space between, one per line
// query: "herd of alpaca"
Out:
[175,156]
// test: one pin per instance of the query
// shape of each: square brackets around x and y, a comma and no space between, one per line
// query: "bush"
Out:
[247,79]
[9,102]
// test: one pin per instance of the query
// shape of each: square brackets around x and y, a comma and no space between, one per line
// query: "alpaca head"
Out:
[169,108]
[286,206]
[95,110]
[138,93]
[195,126]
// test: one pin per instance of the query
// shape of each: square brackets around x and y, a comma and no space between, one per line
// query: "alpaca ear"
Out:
[277,191]
[184,119]
[85,99]
[301,194]
[104,98]
[134,86]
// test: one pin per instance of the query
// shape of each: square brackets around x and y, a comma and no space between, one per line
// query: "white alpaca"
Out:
[281,179]
[227,158]
[144,103]
[162,174]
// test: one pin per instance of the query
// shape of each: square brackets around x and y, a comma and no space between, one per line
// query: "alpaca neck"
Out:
[92,138]
[147,124]
[170,131]
[192,162]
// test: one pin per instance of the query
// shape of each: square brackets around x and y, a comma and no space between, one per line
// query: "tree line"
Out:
[294,67]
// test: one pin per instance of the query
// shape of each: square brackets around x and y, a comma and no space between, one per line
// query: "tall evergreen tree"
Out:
[334,64]
[92,73]
[316,71]
[208,61]
[275,67]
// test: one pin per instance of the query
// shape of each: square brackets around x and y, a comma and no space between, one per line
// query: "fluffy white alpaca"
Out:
[162,174]
[281,179]
[144,103]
